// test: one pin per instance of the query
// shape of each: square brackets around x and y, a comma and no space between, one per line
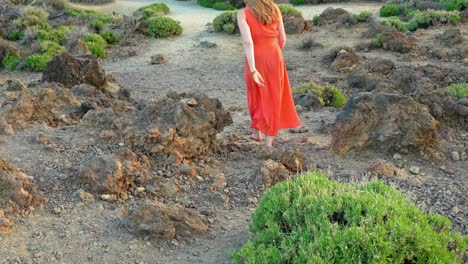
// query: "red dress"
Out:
[271,107]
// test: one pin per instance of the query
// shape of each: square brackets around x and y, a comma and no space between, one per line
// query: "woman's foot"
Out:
[256,135]
[269,141]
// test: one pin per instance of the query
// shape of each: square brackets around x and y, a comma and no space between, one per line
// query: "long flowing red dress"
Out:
[271,107]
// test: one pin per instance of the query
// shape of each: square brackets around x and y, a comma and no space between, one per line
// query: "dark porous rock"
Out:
[158,59]
[344,61]
[331,54]
[207,44]
[397,41]
[386,122]
[78,48]
[308,101]
[165,221]
[69,71]
[363,80]
[294,24]
[332,16]
[271,173]
[451,36]
[310,43]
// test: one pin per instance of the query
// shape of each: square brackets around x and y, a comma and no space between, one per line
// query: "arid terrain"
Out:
[79,225]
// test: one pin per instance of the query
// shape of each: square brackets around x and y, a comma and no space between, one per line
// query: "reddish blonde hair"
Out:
[264,10]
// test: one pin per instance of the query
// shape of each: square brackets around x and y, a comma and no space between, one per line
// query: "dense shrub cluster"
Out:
[425,19]
[388,10]
[58,35]
[223,6]
[328,95]
[227,22]
[153,10]
[458,91]
[314,220]
[37,62]
[109,36]
[97,19]
[163,27]
[395,23]
[11,61]
[96,45]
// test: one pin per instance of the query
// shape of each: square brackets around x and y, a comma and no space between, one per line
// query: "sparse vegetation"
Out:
[288,9]
[163,27]
[315,20]
[364,16]
[328,95]
[314,220]
[153,10]
[389,10]
[395,23]
[34,17]
[96,19]
[458,91]
[378,40]
[96,45]
[226,22]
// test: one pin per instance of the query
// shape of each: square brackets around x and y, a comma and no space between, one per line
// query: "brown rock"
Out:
[272,172]
[219,182]
[398,42]
[308,25]
[169,189]
[384,121]
[79,48]
[294,24]
[70,71]
[41,139]
[451,36]
[380,167]
[5,225]
[158,59]
[332,16]
[159,220]
[344,61]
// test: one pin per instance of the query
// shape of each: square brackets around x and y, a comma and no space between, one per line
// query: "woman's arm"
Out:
[248,46]
[280,28]
[246,39]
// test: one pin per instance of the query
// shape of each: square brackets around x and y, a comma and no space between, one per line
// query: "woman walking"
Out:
[269,97]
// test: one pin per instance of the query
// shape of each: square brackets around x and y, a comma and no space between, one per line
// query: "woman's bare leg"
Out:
[256,135]
[269,141]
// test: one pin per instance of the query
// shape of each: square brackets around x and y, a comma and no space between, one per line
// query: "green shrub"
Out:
[15,36]
[163,27]
[454,5]
[297,2]
[226,21]
[11,61]
[378,40]
[109,36]
[458,91]
[37,62]
[33,16]
[410,12]
[153,10]
[96,45]
[206,3]
[315,20]
[223,6]
[388,10]
[396,23]
[314,220]
[51,48]
[429,18]
[363,16]
[288,9]
[97,24]
[97,19]
[328,95]
[58,35]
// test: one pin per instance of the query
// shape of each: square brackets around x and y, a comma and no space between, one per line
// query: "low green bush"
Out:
[97,19]
[454,5]
[364,16]
[388,10]
[297,2]
[51,48]
[58,35]
[315,20]
[206,3]
[223,6]
[37,62]
[409,13]
[378,40]
[153,10]
[226,22]
[110,37]
[458,91]
[288,9]
[396,23]
[15,36]
[96,45]
[328,95]
[429,18]
[11,61]
[314,220]
[163,27]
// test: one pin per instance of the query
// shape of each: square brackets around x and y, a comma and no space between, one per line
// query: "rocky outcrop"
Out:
[165,221]
[70,71]
[337,16]
[79,48]
[18,194]
[271,173]
[296,24]
[450,37]
[115,174]
[380,167]
[184,126]
[384,121]
[396,41]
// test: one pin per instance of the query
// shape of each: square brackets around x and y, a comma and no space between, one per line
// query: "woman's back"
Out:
[258,30]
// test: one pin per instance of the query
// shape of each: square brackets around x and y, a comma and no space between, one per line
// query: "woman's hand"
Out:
[258,79]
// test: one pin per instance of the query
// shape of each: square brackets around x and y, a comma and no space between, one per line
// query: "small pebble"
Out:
[414,170]
[455,156]
[57,210]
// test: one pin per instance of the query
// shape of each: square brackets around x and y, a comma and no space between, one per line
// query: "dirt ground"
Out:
[92,231]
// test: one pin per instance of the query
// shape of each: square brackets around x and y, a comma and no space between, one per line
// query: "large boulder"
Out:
[69,71]
[294,24]
[162,221]
[396,41]
[384,121]
[182,125]
[272,173]
[335,16]
[18,194]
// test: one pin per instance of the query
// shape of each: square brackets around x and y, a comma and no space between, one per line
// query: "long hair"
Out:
[264,10]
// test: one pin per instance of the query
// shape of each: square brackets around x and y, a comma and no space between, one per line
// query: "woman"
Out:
[269,95]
